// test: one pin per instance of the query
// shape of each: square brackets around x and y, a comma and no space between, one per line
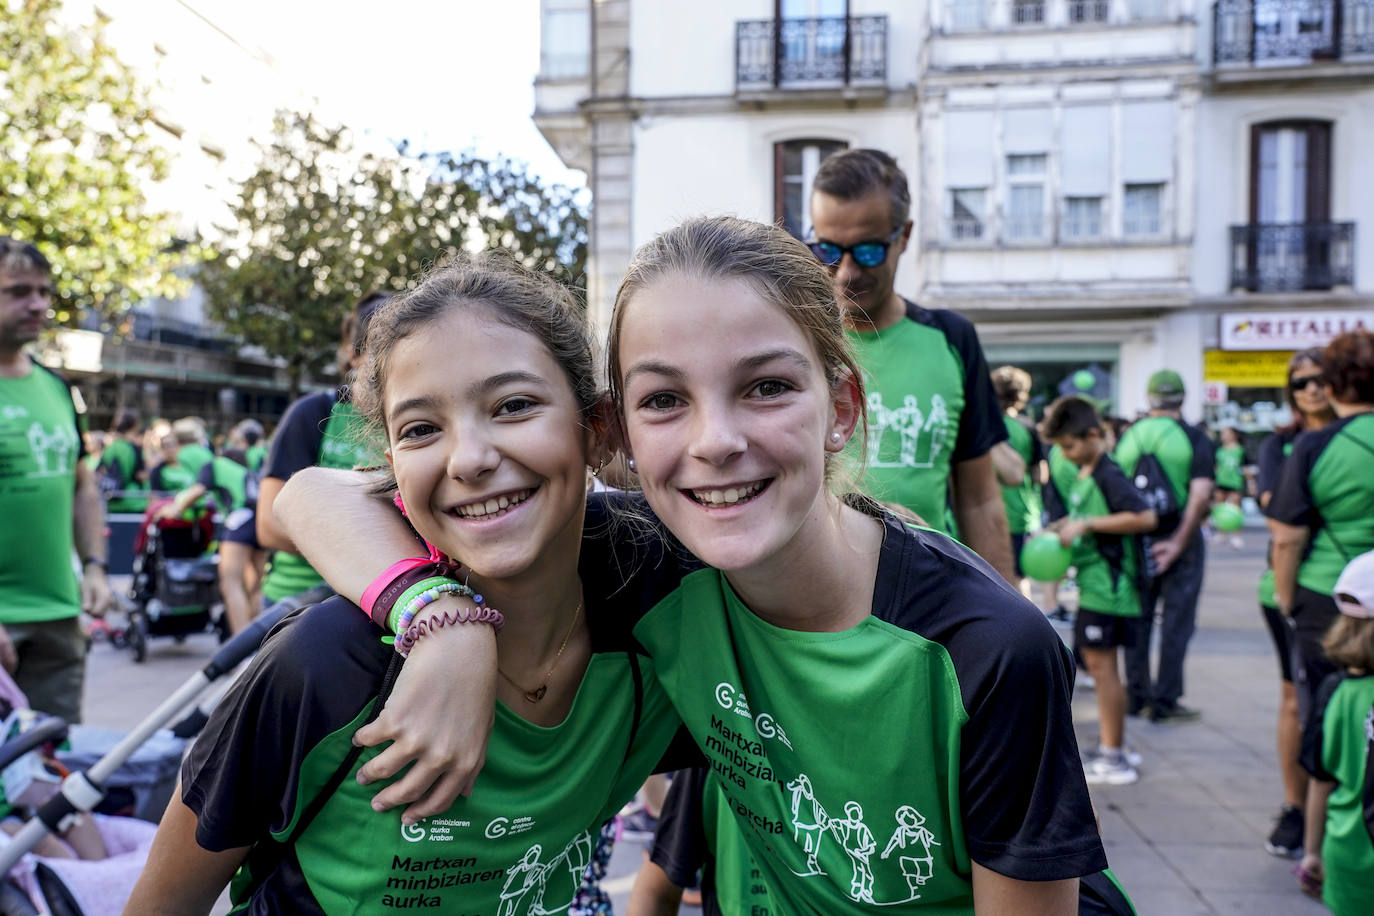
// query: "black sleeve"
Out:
[980,424]
[1310,754]
[316,671]
[1025,802]
[680,847]
[1292,502]
[1270,461]
[1053,500]
[206,476]
[1204,464]
[296,444]
[1038,453]
[1120,493]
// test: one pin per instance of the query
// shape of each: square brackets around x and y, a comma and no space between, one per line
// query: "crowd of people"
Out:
[784,535]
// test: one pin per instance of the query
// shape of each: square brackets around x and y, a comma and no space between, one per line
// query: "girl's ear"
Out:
[848,406]
[604,435]
[387,453]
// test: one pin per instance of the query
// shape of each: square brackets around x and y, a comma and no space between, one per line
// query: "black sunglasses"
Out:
[25,290]
[868,253]
[1298,384]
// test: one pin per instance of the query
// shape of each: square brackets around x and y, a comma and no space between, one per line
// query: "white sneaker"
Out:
[1099,771]
[1132,756]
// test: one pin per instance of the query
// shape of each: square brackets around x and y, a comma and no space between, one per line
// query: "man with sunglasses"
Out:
[933,413]
[50,502]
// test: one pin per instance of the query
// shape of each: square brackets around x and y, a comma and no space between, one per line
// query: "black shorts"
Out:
[241,527]
[1017,542]
[1221,489]
[1281,631]
[1313,613]
[1095,630]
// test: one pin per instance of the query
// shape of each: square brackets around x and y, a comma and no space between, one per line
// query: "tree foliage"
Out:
[319,224]
[75,154]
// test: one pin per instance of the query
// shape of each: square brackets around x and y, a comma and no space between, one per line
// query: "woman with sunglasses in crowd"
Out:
[1321,512]
[888,720]
[1311,411]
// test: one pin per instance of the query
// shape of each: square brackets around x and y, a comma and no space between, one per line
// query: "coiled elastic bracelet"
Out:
[412,630]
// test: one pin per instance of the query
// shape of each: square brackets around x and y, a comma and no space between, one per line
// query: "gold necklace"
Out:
[537,694]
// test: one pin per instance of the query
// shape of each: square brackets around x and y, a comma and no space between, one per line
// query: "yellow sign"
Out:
[1247,368]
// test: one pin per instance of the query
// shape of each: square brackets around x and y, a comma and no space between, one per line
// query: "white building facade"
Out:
[1077,166]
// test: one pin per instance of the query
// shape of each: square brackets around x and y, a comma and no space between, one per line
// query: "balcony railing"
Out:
[1291,32]
[811,53]
[1279,257]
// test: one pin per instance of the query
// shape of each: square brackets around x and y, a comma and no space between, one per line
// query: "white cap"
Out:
[1354,591]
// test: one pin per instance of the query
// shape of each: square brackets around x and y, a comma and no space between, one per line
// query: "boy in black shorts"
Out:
[1095,510]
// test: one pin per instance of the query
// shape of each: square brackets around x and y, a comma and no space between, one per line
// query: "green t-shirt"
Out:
[930,405]
[1326,486]
[228,480]
[1105,564]
[194,457]
[1229,462]
[868,768]
[1184,452]
[318,430]
[120,463]
[39,449]
[256,456]
[1334,749]
[1023,501]
[517,847]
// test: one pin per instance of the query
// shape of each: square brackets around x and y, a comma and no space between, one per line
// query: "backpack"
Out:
[1158,493]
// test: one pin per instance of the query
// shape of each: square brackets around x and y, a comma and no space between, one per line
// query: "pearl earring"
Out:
[631,464]
[834,437]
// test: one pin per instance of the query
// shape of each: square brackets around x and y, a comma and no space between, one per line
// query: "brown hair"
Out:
[1348,364]
[1350,642]
[1012,386]
[1070,416]
[854,173]
[17,255]
[508,292]
[780,268]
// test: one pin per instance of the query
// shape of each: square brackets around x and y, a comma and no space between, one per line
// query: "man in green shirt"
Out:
[1176,548]
[50,501]
[121,465]
[933,416]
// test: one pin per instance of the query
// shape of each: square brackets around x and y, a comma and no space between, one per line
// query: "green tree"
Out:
[319,225]
[75,155]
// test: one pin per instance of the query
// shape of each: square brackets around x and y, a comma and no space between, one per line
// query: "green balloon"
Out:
[1044,559]
[1227,517]
[1084,380]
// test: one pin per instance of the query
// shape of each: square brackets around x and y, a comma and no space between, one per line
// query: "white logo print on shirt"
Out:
[906,436]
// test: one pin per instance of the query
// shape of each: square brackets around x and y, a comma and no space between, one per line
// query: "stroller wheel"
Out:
[138,637]
[14,902]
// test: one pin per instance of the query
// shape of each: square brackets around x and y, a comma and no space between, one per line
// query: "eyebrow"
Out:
[473,392]
[755,361]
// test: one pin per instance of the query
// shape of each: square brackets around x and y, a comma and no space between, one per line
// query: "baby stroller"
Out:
[175,588]
[74,887]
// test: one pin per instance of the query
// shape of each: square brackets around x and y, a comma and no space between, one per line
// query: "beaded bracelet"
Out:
[399,619]
[482,613]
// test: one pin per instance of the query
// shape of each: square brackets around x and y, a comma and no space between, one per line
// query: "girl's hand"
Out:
[1070,530]
[438,720]
[1311,875]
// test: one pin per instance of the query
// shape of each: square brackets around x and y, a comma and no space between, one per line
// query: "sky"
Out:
[443,74]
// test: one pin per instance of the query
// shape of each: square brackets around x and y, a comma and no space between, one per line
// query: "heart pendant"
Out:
[534,696]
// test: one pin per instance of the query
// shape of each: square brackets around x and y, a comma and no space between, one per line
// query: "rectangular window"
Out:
[1149,10]
[968,209]
[965,15]
[566,42]
[1082,218]
[794,169]
[1021,165]
[1142,210]
[1089,10]
[1026,212]
[1027,12]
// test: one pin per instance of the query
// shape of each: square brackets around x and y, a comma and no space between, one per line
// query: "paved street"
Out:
[1187,839]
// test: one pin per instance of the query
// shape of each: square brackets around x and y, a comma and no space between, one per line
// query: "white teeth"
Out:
[726,497]
[493,506]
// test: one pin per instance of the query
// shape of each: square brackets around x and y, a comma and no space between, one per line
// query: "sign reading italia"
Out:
[1288,330]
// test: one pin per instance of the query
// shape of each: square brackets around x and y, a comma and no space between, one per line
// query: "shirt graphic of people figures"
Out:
[52,451]
[809,827]
[856,840]
[912,832]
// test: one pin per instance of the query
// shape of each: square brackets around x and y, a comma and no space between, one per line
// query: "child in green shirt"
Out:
[1095,509]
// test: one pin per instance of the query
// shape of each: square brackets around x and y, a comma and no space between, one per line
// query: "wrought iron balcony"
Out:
[811,53]
[1281,257]
[1291,32]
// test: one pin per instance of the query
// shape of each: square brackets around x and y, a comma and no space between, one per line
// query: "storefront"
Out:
[1245,378]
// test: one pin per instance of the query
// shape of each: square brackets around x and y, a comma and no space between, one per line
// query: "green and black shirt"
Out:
[931,405]
[1183,451]
[1326,486]
[1273,452]
[1335,748]
[518,846]
[1106,564]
